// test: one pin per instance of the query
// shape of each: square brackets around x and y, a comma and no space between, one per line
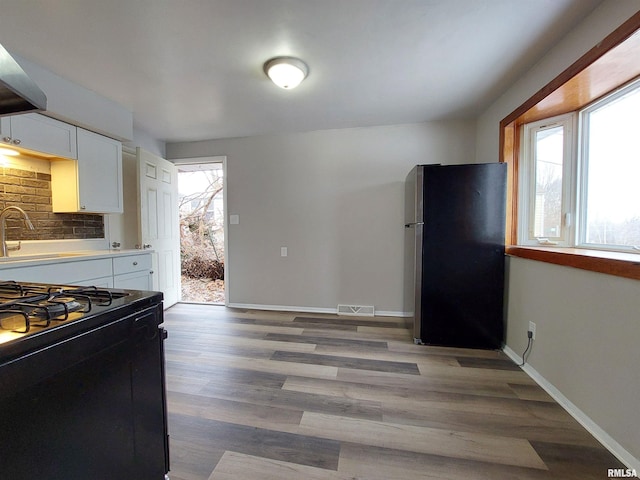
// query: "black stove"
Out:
[97,355]
[33,314]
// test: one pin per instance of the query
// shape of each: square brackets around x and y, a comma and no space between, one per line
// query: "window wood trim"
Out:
[612,263]
[602,69]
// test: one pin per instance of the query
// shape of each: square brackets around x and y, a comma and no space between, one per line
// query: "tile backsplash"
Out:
[31,191]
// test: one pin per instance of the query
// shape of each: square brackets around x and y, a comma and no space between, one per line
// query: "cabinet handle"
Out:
[135,263]
[6,139]
[150,272]
[83,207]
[17,141]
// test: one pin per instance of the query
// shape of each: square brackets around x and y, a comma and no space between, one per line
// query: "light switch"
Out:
[234,219]
[283,251]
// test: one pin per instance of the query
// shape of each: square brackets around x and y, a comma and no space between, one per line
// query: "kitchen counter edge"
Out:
[64,257]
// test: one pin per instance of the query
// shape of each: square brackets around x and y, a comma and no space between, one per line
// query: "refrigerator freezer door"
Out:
[462,263]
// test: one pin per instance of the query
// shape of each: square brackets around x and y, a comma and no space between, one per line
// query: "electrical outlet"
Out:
[532,329]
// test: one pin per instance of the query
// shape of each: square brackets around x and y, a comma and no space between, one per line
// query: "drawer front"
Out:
[131,263]
[67,272]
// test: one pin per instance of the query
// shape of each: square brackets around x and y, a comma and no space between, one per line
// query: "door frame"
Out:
[204,161]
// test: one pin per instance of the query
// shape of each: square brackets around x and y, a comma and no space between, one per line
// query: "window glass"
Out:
[546,181]
[549,155]
[612,172]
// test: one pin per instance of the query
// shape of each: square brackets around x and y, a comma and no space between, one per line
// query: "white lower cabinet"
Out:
[78,272]
[130,272]
[103,282]
[133,272]
[133,281]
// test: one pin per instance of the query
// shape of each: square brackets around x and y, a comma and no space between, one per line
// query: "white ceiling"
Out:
[192,69]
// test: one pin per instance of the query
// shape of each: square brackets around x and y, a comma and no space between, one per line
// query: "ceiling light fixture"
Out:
[286,72]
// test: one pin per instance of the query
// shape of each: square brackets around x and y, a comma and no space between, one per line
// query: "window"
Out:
[546,181]
[580,176]
[610,184]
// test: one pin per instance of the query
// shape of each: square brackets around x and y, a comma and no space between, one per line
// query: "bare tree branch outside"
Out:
[202,235]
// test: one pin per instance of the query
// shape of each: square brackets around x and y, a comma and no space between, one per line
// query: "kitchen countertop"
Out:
[57,257]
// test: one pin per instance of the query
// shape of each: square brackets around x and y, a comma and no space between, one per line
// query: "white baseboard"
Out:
[289,308]
[390,313]
[592,427]
[281,308]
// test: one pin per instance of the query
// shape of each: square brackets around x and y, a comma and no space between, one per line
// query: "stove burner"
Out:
[23,306]
[55,307]
[9,288]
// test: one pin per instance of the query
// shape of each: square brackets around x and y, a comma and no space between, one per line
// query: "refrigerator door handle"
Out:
[413,224]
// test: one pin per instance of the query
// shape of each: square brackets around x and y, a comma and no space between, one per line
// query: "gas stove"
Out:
[97,356]
[24,307]
[33,314]
[27,308]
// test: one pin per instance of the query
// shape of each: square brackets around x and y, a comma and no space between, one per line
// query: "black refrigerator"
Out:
[454,254]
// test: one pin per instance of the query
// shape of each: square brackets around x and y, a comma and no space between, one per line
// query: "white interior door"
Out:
[158,225]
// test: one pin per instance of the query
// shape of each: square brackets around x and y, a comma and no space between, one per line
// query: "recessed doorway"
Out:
[202,236]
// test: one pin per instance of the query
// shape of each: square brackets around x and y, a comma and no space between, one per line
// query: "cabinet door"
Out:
[75,396]
[133,281]
[5,129]
[99,173]
[133,272]
[103,282]
[41,134]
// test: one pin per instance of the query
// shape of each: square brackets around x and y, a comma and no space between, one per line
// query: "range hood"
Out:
[18,93]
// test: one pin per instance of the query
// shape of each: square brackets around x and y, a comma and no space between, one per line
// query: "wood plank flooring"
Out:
[283,396]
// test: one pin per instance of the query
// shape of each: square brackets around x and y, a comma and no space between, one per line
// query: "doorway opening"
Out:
[202,236]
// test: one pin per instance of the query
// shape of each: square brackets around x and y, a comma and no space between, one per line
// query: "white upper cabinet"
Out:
[93,183]
[99,173]
[39,133]
[86,168]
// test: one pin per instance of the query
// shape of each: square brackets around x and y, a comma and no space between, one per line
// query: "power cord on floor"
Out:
[530,337]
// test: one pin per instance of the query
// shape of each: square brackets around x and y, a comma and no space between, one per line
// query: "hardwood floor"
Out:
[285,396]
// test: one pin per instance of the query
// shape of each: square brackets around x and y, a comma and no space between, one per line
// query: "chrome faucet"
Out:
[3,227]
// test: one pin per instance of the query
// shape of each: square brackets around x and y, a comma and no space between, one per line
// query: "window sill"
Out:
[612,263]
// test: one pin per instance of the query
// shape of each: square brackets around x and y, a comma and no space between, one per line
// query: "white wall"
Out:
[587,333]
[588,324]
[72,103]
[147,142]
[335,198]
